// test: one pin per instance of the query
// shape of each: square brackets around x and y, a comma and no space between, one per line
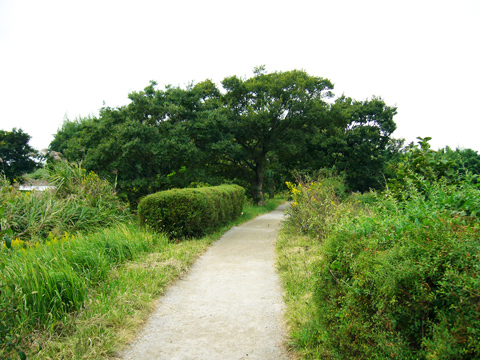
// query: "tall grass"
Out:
[83,296]
[80,202]
[297,256]
[43,284]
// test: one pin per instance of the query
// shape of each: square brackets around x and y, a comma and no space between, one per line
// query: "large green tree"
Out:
[353,137]
[257,118]
[16,155]
[254,132]
[367,134]
[143,146]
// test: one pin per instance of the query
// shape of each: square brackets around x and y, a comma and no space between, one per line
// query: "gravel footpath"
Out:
[229,306]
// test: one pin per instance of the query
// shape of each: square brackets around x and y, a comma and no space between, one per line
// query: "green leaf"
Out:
[22,355]
[8,241]
[335,265]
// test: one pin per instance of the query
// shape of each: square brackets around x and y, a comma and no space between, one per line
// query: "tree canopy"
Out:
[257,118]
[253,131]
[16,155]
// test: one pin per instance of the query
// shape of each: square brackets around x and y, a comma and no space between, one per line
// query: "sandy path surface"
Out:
[229,306]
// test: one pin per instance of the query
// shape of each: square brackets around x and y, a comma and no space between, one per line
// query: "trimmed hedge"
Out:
[191,212]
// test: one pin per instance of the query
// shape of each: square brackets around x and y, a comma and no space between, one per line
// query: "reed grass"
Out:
[80,201]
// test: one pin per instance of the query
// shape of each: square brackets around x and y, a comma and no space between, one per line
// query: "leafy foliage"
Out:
[253,133]
[354,138]
[420,163]
[466,160]
[16,156]
[259,117]
[142,147]
[191,212]
[396,278]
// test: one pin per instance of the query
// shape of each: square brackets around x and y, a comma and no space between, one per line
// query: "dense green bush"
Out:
[316,204]
[191,212]
[399,278]
[402,282]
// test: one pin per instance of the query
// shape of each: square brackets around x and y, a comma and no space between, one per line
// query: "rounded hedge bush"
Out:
[191,212]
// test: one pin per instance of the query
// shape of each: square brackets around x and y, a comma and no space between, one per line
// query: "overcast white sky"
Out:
[67,57]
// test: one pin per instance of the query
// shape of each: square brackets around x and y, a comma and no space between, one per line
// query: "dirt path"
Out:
[228,307]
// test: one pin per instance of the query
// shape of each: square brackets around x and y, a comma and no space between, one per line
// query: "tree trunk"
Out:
[258,198]
[257,186]
[271,192]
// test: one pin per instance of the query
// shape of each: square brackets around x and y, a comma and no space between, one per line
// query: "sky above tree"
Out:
[64,58]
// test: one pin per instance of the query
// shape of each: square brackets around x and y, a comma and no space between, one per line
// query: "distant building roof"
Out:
[35,187]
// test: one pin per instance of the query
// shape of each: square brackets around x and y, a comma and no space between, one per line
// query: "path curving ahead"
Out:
[229,306]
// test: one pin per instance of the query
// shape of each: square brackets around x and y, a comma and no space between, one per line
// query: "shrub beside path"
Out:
[229,306]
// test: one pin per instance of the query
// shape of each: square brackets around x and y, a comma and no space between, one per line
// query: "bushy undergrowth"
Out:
[398,279]
[41,285]
[317,204]
[80,201]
